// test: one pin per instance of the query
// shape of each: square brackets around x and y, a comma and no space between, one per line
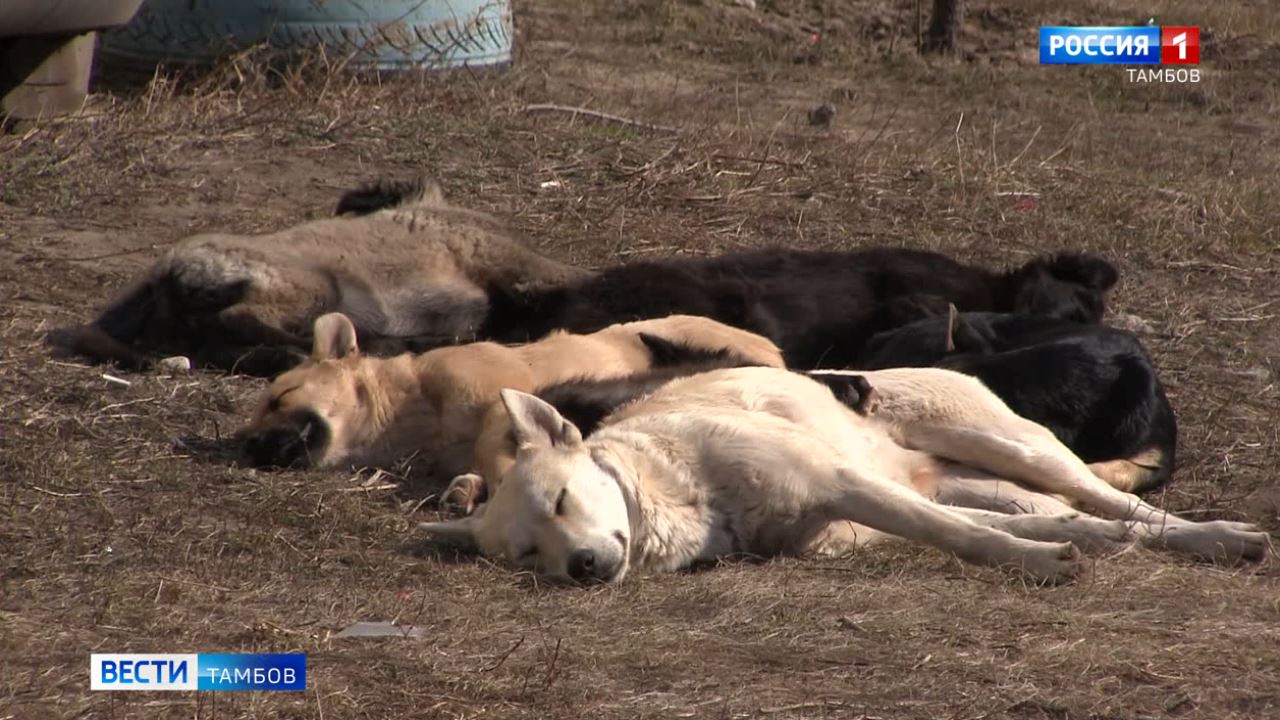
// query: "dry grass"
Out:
[126,529]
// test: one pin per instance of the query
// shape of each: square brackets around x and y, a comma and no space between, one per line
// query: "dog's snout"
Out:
[582,565]
[274,447]
[295,441]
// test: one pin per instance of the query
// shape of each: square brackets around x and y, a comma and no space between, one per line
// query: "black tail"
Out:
[381,194]
[586,402]
[664,353]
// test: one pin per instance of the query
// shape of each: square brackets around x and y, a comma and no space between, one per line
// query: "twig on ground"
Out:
[599,116]
[503,658]
[551,670]
[762,161]
[55,493]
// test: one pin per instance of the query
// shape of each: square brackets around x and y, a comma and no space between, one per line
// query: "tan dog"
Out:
[414,271]
[343,408]
[765,461]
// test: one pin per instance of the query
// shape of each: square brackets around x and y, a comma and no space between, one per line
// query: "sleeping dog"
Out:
[820,307]
[766,461]
[409,269]
[342,407]
[1094,386]
[586,401]
[414,272]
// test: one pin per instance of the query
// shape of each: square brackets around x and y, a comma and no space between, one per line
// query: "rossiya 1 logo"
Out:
[1169,49]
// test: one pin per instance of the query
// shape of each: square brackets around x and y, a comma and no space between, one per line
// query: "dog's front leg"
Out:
[889,507]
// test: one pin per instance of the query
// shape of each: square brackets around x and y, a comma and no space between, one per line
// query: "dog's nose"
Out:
[582,565]
[274,447]
[297,439]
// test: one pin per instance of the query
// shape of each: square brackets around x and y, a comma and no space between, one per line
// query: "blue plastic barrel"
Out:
[382,34]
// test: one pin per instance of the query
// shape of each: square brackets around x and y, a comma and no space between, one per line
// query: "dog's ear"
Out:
[1092,271]
[334,337]
[459,534]
[536,423]
[853,391]
[432,193]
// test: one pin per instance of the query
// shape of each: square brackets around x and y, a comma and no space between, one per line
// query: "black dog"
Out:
[1094,386]
[820,307]
[586,402]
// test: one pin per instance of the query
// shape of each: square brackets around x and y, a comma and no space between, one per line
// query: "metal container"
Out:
[381,34]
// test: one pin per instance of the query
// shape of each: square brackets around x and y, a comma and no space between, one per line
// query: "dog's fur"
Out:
[414,273]
[344,408]
[766,461]
[409,269]
[584,401]
[1094,386]
[819,306]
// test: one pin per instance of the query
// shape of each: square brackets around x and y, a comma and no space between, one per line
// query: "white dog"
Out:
[765,461]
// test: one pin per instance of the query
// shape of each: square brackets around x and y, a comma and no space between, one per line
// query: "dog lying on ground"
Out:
[585,402]
[409,269]
[1092,385]
[765,461]
[820,307]
[414,273]
[341,407]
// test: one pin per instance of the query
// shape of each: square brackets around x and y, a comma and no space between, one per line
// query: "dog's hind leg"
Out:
[964,487]
[889,507]
[1021,450]
[1024,451]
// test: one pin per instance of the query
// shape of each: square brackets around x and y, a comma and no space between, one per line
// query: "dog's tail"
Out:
[690,359]
[383,193]
[1150,422]
[1140,473]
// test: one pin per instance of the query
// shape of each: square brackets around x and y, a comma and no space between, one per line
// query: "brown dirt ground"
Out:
[121,531]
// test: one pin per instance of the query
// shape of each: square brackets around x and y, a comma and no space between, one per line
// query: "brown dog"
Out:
[411,272]
[343,408]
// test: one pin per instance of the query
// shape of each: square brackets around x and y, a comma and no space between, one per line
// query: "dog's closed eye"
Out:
[560,501]
[274,403]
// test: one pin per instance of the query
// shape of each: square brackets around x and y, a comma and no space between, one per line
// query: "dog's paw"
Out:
[1094,536]
[1219,541]
[1052,563]
[463,494]
[1233,543]
[1090,535]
